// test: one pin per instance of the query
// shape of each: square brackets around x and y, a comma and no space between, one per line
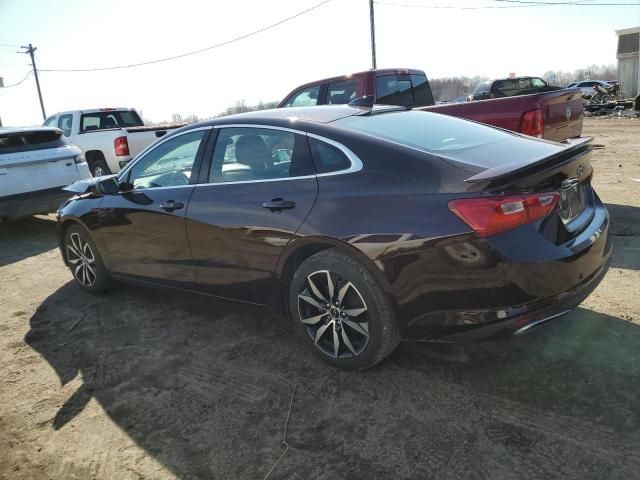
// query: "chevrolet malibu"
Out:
[366,226]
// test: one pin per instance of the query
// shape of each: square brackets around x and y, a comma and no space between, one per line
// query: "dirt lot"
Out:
[147,384]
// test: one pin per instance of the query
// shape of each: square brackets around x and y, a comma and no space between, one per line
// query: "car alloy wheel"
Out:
[335,314]
[81,259]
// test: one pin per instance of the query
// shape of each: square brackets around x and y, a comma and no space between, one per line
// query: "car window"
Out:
[482,87]
[109,119]
[248,154]
[169,164]
[421,90]
[50,122]
[306,97]
[64,124]
[394,90]
[538,83]
[341,92]
[24,141]
[327,158]
[511,87]
[423,131]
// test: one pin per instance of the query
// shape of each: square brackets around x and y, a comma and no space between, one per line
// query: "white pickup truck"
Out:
[108,137]
[35,164]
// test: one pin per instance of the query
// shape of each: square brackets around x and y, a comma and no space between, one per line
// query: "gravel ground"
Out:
[143,383]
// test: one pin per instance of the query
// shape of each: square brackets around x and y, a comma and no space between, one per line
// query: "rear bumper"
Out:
[22,205]
[537,314]
[467,287]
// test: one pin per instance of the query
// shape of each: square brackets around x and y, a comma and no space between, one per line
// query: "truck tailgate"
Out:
[562,114]
[140,138]
[508,112]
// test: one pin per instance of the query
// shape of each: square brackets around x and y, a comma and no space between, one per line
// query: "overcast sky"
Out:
[330,40]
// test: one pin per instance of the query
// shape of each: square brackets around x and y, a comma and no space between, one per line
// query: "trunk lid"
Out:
[567,172]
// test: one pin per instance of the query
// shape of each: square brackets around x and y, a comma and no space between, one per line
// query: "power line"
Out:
[21,81]
[450,7]
[195,52]
[10,45]
[520,4]
[574,3]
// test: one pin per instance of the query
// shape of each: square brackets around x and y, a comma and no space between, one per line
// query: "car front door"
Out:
[143,227]
[259,188]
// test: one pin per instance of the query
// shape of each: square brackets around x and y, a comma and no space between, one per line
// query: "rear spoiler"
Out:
[575,148]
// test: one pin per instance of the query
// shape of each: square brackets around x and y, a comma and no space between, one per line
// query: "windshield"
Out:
[429,132]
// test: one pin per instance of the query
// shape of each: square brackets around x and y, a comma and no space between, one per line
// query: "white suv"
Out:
[35,164]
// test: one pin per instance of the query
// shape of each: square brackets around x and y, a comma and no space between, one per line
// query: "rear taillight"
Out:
[532,123]
[122,146]
[488,216]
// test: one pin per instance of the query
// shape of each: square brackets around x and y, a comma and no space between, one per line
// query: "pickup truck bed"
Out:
[554,114]
[561,112]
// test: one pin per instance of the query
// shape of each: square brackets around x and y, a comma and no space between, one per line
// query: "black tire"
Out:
[99,168]
[357,351]
[90,275]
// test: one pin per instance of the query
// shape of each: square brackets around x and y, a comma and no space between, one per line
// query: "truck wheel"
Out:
[99,168]
[341,312]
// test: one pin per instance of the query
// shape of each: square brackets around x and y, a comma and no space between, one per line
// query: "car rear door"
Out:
[143,227]
[258,186]
[36,160]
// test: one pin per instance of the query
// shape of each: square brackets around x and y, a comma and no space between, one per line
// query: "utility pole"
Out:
[373,34]
[30,50]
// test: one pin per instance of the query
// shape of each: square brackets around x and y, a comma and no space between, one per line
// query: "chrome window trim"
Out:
[356,163]
[153,145]
[256,125]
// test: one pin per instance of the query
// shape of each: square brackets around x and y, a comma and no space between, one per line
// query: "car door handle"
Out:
[170,206]
[278,204]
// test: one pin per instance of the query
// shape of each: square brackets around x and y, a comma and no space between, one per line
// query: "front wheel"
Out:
[341,311]
[84,260]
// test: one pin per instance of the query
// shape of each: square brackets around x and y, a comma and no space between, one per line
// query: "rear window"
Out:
[517,86]
[403,90]
[109,119]
[428,132]
[25,141]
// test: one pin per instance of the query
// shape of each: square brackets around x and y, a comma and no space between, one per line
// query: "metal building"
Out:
[628,60]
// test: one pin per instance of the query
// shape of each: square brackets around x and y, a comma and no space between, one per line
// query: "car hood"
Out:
[84,186]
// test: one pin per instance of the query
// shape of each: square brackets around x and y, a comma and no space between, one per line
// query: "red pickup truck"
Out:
[555,114]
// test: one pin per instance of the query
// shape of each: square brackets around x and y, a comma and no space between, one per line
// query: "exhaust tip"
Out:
[537,323]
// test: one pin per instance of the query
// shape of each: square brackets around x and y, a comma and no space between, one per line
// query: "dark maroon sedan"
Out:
[365,225]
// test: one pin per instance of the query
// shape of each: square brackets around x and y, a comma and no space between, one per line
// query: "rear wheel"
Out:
[84,260]
[98,165]
[341,311]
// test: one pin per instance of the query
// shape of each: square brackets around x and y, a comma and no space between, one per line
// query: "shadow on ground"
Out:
[25,238]
[205,386]
[625,235]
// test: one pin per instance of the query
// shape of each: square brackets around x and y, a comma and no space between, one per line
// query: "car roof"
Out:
[296,118]
[15,130]
[378,72]
[290,117]
[513,78]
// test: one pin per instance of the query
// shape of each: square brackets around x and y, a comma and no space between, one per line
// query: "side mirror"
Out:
[106,186]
